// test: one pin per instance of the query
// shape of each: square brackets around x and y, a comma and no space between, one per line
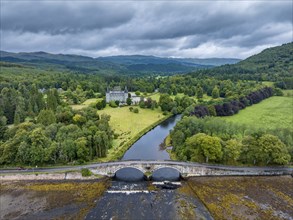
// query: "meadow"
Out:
[129,126]
[156,96]
[86,103]
[274,112]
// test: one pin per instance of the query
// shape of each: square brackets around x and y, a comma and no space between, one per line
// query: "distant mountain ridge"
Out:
[272,64]
[113,64]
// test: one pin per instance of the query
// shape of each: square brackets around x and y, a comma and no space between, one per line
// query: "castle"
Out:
[117,94]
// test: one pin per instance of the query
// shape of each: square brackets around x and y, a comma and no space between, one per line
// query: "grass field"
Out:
[274,112]
[156,96]
[86,103]
[288,92]
[129,126]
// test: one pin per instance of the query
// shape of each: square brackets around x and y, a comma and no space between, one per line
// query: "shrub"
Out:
[113,104]
[136,110]
[86,172]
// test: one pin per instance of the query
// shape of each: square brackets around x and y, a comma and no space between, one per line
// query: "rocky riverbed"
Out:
[49,199]
[244,197]
[197,198]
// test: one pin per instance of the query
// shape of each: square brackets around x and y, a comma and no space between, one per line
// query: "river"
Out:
[131,197]
[148,146]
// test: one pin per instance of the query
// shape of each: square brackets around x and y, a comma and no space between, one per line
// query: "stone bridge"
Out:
[187,169]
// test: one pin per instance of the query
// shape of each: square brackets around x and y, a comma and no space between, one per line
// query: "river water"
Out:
[130,196]
[148,146]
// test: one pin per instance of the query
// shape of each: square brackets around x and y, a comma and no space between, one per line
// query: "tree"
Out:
[16,119]
[52,99]
[250,150]
[39,142]
[205,147]
[82,150]
[99,105]
[128,101]
[165,102]
[212,110]
[215,92]
[232,151]
[199,92]
[273,150]
[3,126]
[79,119]
[46,117]
[113,104]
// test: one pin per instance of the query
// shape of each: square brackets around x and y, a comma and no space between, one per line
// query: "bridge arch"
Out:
[166,166]
[116,169]
[166,173]
[129,174]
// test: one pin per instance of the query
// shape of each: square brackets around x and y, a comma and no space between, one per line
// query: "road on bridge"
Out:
[128,163]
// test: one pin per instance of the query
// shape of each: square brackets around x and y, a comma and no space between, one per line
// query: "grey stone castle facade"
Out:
[116,94]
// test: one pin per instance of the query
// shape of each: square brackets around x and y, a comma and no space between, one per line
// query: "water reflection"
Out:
[166,174]
[129,174]
[148,146]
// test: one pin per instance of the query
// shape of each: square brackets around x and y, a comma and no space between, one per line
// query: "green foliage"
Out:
[86,172]
[272,150]
[165,102]
[101,104]
[128,101]
[273,64]
[232,151]
[199,92]
[215,92]
[46,117]
[239,143]
[136,110]
[113,104]
[204,148]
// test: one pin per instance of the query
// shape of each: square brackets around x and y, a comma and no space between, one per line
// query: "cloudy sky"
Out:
[161,28]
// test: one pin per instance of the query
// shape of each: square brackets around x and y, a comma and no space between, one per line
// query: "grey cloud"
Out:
[218,28]
[57,17]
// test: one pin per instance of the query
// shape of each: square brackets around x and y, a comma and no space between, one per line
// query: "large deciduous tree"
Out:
[204,148]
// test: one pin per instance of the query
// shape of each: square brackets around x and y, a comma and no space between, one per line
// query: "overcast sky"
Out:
[198,29]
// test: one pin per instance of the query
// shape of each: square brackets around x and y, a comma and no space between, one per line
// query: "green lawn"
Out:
[86,103]
[129,126]
[268,83]
[288,92]
[156,96]
[274,112]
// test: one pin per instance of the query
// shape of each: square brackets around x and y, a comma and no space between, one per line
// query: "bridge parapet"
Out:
[189,169]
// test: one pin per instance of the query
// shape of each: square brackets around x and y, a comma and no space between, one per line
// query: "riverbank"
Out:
[49,199]
[197,198]
[130,127]
[244,197]
[48,176]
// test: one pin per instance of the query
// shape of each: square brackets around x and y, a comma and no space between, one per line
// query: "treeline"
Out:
[215,140]
[26,101]
[232,107]
[65,136]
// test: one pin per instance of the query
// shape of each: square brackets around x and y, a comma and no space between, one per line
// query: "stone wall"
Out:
[192,169]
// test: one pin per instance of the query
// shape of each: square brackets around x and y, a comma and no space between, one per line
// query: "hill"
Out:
[272,64]
[126,65]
